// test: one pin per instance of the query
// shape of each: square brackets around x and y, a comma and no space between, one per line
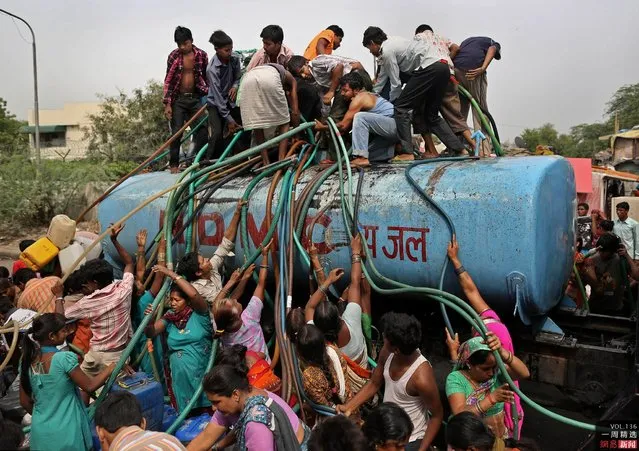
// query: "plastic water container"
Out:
[61,231]
[39,254]
[86,239]
[69,255]
[192,427]
[170,415]
[149,394]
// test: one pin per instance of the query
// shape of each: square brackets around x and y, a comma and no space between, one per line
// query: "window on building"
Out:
[53,139]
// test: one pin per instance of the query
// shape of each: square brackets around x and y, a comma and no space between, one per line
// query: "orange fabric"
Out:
[361,372]
[37,293]
[83,335]
[262,376]
[311,51]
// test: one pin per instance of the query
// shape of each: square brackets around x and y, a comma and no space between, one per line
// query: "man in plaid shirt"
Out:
[184,85]
[107,304]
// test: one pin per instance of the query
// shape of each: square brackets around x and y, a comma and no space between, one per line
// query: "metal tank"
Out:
[514,219]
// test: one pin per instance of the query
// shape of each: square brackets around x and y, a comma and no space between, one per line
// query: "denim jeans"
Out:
[374,136]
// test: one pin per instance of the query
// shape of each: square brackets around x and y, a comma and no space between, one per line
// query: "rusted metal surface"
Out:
[511,215]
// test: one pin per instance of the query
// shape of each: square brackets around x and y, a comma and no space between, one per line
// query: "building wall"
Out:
[75,116]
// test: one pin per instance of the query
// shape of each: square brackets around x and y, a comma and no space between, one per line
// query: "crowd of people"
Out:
[416,81]
[607,261]
[386,398]
[393,403]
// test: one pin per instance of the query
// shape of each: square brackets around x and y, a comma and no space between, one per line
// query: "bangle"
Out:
[491,399]
[264,266]
[356,259]
[177,278]
[459,271]
[60,298]
[479,409]
[323,289]
[510,358]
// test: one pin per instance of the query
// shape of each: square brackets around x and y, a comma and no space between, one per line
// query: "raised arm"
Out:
[316,265]
[233,280]
[354,291]
[319,295]
[634,269]
[261,283]
[196,300]
[140,257]
[468,286]
[232,229]
[228,242]
[241,286]
[158,278]
[516,368]
[124,255]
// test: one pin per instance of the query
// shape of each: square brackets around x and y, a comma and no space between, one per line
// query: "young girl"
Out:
[242,326]
[324,368]
[49,380]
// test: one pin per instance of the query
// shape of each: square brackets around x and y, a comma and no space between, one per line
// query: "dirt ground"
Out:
[9,240]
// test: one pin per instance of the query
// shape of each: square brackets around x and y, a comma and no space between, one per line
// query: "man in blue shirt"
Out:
[471,59]
[223,76]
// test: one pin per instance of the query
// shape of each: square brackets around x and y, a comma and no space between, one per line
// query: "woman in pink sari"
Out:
[491,321]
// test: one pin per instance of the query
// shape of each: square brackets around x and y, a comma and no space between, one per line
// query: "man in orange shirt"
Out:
[325,42]
[36,293]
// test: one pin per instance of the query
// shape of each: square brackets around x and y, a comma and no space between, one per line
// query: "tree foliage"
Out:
[12,142]
[129,127]
[583,139]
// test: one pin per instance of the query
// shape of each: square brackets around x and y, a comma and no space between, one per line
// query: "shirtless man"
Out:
[184,85]
[367,113]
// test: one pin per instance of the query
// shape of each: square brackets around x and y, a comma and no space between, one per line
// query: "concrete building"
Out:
[62,132]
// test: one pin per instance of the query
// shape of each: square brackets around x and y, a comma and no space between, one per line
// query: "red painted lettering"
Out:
[205,235]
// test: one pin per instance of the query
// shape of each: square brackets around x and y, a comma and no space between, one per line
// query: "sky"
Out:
[561,59]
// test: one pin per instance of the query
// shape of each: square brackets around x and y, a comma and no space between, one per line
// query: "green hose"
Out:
[580,284]
[477,110]
[456,304]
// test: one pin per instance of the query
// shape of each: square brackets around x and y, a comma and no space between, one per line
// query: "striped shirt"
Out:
[109,311]
[133,438]
[37,294]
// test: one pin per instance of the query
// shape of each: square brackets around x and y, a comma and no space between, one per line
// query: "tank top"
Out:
[383,107]
[395,391]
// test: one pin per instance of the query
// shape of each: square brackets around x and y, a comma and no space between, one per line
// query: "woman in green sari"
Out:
[475,384]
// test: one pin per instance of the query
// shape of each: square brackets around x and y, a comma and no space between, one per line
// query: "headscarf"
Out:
[468,348]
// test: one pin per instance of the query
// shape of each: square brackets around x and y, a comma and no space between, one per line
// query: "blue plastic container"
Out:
[148,393]
[170,415]
[192,427]
[514,217]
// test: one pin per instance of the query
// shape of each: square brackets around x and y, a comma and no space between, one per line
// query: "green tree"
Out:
[546,135]
[12,142]
[129,127]
[625,103]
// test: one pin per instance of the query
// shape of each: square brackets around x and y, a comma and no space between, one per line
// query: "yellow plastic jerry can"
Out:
[39,254]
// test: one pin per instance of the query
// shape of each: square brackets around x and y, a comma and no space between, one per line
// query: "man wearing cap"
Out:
[471,60]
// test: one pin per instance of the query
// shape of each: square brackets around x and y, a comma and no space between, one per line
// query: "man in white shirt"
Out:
[626,229]
[424,91]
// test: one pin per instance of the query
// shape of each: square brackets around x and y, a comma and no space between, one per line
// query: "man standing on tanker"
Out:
[184,85]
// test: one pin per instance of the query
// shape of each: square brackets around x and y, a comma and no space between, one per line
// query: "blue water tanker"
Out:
[514,219]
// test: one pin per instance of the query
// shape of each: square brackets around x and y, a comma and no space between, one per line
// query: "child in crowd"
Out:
[242,326]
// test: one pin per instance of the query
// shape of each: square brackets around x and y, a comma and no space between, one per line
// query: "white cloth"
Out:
[341,382]
[323,65]
[627,231]
[262,99]
[395,391]
[355,349]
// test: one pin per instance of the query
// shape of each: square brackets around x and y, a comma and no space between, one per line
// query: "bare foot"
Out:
[174,169]
[429,155]
[360,162]
[404,157]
